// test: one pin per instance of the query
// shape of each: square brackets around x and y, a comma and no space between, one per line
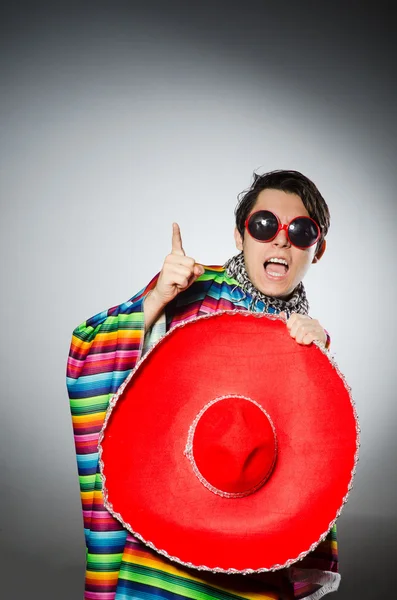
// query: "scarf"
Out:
[235,267]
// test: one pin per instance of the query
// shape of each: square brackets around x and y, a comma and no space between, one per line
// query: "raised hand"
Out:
[177,274]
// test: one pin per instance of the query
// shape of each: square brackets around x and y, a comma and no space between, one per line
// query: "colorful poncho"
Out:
[104,350]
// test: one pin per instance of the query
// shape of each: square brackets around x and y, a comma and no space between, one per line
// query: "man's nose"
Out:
[281,238]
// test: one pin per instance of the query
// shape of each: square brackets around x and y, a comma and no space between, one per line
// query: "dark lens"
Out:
[263,225]
[303,232]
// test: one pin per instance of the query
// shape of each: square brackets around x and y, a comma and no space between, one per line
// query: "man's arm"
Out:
[103,351]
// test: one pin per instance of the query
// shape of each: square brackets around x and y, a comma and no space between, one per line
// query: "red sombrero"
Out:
[230,447]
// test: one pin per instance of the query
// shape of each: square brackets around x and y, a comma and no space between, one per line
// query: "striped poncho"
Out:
[103,351]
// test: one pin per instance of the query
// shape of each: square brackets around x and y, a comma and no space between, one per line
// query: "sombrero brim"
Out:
[149,484]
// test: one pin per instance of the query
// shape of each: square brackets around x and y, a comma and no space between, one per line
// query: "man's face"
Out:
[273,279]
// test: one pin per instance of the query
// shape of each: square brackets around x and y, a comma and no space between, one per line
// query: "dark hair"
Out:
[291,182]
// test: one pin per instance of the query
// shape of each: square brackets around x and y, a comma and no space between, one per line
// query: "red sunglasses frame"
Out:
[282,227]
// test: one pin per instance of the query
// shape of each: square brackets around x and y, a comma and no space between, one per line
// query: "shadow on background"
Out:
[27,577]
[367,551]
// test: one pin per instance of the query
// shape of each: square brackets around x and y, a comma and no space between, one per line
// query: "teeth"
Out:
[276,274]
[278,260]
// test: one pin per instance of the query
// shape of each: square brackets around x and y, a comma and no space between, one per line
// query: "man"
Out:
[281,224]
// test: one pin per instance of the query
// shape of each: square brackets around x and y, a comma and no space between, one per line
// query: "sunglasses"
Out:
[264,226]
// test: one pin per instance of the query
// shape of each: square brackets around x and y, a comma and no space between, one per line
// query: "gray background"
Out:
[117,119]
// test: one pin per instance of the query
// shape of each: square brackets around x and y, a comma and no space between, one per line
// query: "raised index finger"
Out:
[177,240]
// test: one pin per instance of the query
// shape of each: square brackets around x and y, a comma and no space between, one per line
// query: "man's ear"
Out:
[238,239]
[320,252]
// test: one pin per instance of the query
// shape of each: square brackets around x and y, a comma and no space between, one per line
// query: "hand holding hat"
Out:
[305,330]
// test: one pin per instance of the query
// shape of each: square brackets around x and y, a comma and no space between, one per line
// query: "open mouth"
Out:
[276,267]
